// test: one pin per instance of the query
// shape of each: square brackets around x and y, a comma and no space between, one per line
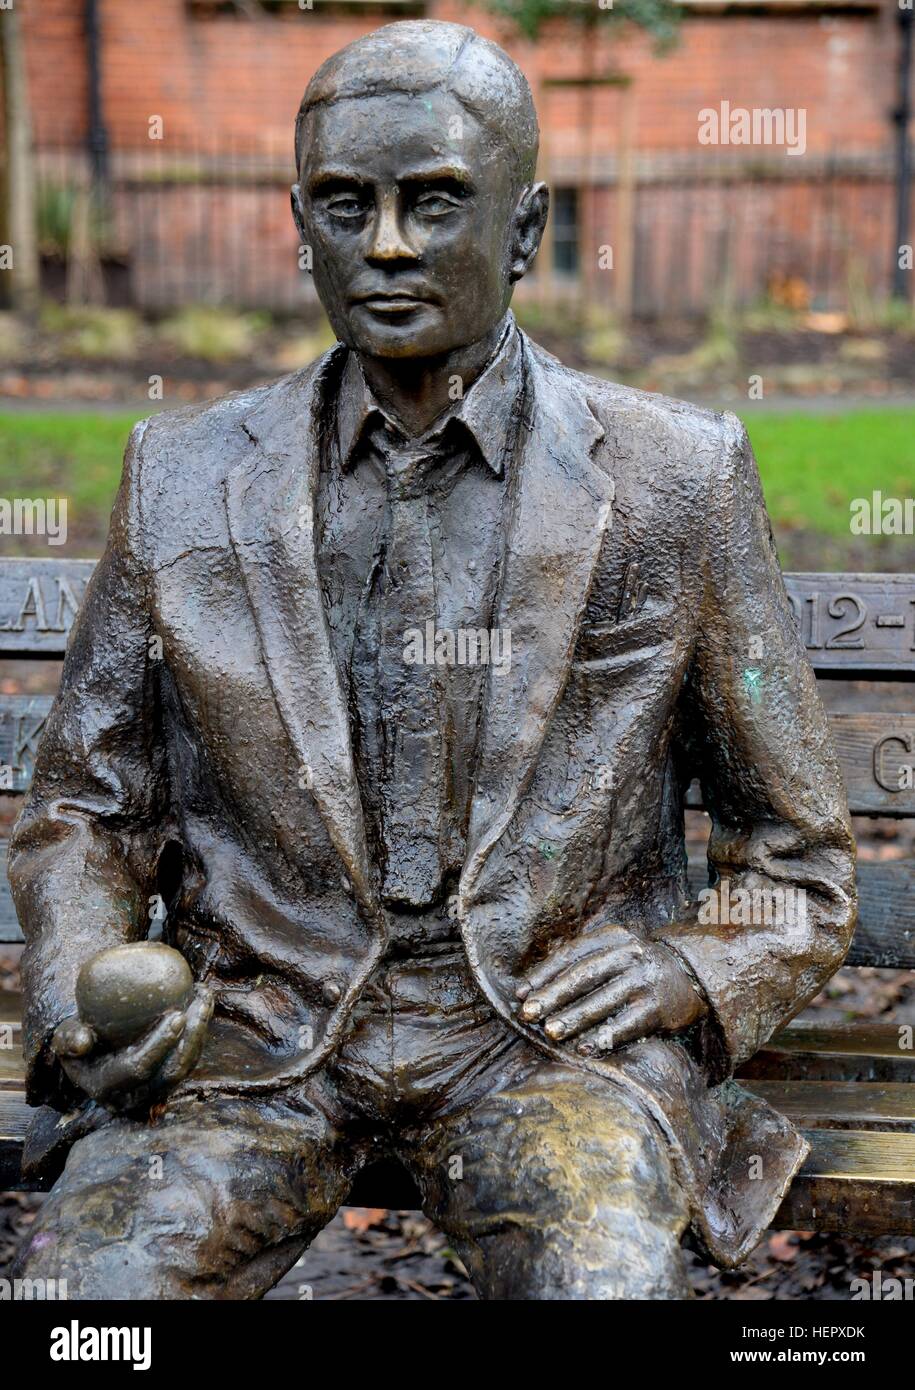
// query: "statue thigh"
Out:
[216,1201]
[558,1186]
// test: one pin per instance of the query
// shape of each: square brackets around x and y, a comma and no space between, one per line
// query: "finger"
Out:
[637,1020]
[571,952]
[577,980]
[136,1063]
[594,1008]
[568,954]
[559,959]
[184,1057]
[84,1075]
[142,1058]
[72,1038]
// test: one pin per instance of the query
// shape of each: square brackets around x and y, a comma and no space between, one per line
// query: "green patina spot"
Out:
[751,680]
[547,850]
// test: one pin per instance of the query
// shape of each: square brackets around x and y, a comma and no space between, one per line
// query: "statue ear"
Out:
[298,210]
[529,222]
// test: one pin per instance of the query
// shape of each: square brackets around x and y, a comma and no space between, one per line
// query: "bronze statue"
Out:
[389,686]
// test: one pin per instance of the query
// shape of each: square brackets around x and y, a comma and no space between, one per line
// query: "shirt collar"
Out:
[487,410]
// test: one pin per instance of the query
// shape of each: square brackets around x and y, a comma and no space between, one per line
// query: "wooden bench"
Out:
[848,1086]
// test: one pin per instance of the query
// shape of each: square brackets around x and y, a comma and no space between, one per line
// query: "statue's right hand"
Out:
[127,1077]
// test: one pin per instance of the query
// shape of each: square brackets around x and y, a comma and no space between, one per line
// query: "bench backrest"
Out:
[859,631]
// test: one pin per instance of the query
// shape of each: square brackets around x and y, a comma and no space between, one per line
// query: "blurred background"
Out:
[148,158]
[148,259]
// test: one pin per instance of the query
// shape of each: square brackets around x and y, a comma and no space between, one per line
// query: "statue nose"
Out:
[388,240]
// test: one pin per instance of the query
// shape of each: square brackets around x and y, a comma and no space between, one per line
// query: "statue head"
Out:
[416,149]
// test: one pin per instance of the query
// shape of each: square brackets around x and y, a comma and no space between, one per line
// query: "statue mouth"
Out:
[391,305]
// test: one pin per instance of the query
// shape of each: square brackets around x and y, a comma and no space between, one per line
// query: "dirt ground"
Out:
[804,356]
[369,1254]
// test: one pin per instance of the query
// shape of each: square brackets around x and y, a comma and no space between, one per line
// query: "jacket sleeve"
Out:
[83,851]
[761,745]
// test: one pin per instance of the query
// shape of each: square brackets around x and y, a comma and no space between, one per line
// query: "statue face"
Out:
[409,207]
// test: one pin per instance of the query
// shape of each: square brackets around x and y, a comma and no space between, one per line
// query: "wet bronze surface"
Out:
[428,916]
[121,992]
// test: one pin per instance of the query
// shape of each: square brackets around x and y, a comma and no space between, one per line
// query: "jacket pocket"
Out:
[602,641]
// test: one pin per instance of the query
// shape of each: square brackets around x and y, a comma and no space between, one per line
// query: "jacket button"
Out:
[331,992]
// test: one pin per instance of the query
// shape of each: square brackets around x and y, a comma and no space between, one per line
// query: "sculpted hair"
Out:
[415,56]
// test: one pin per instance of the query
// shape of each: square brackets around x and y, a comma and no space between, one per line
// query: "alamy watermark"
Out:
[33,1290]
[752,907]
[34,516]
[882,516]
[463,646]
[81,1343]
[760,125]
[883,1288]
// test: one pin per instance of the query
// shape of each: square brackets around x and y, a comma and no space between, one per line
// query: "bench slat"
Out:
[885,934]
[9,922]
[10,1007]
[885,1158]
[856,1181]
[874,751]
[14,1117]
[22,720]
[38,601]
[852,624]
[842,1104]
[12,1069]
[856,1052]
[877,757]
[856,624]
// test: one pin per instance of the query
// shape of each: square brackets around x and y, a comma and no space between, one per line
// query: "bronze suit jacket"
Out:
[199,748]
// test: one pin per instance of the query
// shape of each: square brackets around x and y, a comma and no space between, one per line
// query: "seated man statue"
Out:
[389,687]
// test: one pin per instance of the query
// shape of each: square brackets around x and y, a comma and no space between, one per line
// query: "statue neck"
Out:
[416,391]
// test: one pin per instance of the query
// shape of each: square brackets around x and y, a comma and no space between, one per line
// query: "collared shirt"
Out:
[486,411]
[468,452]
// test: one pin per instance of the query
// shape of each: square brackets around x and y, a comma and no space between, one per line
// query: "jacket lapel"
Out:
[270,503]
[560,509]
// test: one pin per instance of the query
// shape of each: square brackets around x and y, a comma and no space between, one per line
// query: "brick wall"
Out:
[230,85]
[241,80]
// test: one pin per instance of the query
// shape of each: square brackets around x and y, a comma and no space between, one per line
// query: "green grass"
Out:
[812,465]
[73,456]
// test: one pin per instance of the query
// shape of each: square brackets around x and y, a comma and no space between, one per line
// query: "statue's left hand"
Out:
[608,988]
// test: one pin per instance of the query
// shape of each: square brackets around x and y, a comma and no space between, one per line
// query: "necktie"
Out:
[412,772]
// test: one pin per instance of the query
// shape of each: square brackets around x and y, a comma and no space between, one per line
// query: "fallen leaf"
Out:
[781,1246]
[363,1218]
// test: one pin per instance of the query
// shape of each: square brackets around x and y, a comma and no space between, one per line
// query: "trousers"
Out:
[549,1182]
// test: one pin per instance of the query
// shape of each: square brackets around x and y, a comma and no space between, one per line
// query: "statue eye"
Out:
[436,204]
[346,206]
